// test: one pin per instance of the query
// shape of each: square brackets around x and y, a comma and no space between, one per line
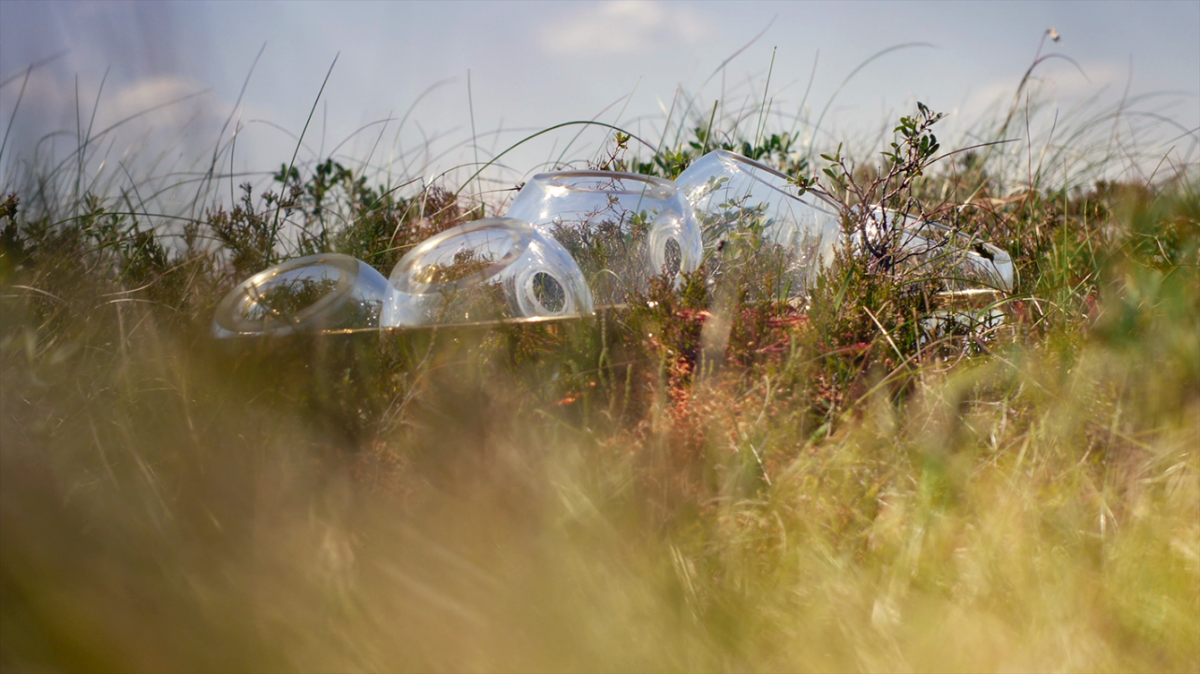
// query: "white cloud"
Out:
[53,101]
[1060,83]
[143,96]
[623,27]
[135,121]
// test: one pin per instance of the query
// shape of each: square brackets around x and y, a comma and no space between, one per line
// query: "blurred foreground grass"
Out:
[592,495]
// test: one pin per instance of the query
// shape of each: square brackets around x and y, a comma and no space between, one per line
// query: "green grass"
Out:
[829,492]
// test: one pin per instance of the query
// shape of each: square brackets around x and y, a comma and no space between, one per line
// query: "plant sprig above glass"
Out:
[622,228]
[483,271]
[757,230]
[967,278]
[958,262]
[328,291]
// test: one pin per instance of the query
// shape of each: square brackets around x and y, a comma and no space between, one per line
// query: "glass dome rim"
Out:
[239,298]
[655,181]
[732,158]
[523,235]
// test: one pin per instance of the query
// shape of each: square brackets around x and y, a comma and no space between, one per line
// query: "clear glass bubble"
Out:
[961,262]
[756,227]
[486,270]
[329,291]
[622,228]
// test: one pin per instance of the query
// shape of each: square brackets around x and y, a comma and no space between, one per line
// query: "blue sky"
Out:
[535,64]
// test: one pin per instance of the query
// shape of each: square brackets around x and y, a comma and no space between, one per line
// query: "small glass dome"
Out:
[486,270]
[622,228]
[318,292]
[755,225]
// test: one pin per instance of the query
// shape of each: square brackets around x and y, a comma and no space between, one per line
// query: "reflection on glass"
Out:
[486,270]
[328,291]
[755,227]
[969,277]
[963,264]
[621,228]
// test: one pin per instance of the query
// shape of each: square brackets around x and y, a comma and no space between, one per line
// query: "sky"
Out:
[413,83]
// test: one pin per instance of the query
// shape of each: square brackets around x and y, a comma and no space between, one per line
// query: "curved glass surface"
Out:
[756,227]
[622,228]
[328,291]
[962,262]
[486,270]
